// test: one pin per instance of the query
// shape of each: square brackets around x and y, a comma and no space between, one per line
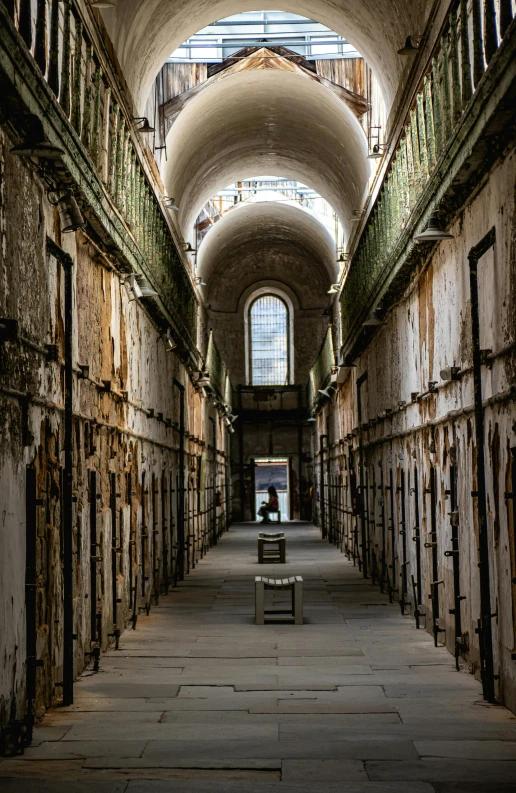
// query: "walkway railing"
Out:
[218,374]
[321,369]
[62,46]
[465,49]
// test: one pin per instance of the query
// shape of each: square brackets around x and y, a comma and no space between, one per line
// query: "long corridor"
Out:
[199,698]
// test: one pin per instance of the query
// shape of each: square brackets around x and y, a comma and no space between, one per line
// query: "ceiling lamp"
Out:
[433,231]
[377,152]
[312,419]
[69,213]
[343,257]
[36,144]
[411,45]
[145,288]
[168,203]
[199,281]
[145,127]
[334,288]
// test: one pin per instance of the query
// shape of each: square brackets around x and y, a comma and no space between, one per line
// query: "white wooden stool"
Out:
[276,553]
[294,583]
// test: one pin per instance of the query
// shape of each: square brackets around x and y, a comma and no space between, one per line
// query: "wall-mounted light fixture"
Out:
[199,282]
[169,341]
[433,231]
[187,247]
[373,321]
[69,213]
[145,127]
[411,46]
[169,203]
[35,143]
[356,215]
[334,288]
[145,288]
[327,392]
[131,285]
[376,152]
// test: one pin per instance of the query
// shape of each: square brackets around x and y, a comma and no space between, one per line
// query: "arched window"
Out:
[269,341]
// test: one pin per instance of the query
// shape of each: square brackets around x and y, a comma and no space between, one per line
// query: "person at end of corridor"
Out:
[269,506]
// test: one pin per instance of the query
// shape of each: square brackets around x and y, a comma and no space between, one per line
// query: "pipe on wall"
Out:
[66,262]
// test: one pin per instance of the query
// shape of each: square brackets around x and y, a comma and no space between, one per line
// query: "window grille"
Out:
[269,341]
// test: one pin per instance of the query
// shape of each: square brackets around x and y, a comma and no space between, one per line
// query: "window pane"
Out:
[269,341]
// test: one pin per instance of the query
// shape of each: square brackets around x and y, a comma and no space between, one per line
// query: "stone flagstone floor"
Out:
[199,698]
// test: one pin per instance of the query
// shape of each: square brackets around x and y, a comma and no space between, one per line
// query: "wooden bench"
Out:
[276,553]
[294,583]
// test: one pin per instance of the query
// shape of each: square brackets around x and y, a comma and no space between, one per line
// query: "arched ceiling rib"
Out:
[265,123]
[145,33]
[268,241]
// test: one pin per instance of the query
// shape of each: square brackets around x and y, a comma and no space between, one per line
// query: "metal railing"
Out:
[321,369]
[59,38]
[464,51]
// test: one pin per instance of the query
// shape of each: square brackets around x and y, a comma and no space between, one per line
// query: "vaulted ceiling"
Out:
[145,33]
[267,242]
[266,122]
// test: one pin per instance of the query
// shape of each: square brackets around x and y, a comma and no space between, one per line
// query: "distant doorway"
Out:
[272,471]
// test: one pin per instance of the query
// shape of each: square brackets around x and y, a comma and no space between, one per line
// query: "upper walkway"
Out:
[199,698]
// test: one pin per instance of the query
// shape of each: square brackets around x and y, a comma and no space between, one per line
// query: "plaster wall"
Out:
[125,410]
[428,330]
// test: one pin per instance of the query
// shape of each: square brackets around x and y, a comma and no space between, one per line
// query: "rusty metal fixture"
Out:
[484,625]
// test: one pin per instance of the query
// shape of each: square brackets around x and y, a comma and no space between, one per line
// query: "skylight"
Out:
[299,34]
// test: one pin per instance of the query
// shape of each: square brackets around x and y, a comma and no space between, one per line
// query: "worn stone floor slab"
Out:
[198,698]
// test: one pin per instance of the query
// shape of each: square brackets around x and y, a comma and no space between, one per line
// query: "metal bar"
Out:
[322,506]
[25,21]
[164,532]
[403,533]
[485,627]
[77,78]
[30,599]
[384,574]
[392,528]
[505,16]
[455,554]
[181,484]
[434,592]
[490,36]
[114,545]
[478,44]
[465,58]
[363,528]
[143,539]
[154,545]
[40,47]
[68,635]
[133,583]
[93,557]
[417,539]
[64,94]
[53,50]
